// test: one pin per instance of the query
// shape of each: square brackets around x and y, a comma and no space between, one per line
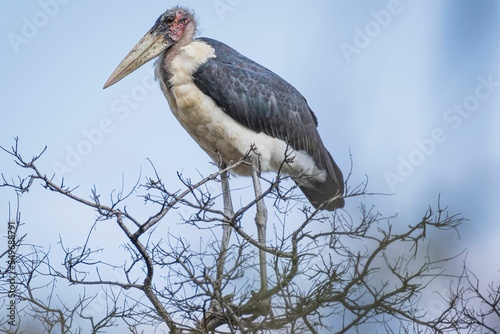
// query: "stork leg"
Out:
[215,308]
[226,229]
[261,222]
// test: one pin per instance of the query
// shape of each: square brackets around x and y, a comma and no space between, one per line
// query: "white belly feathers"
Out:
[218,134]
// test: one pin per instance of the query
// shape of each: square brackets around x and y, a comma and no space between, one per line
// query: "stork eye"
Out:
[170,19]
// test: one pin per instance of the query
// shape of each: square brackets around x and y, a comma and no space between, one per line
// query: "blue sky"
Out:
[410,88]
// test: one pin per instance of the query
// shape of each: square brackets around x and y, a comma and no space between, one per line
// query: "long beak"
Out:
[150,46]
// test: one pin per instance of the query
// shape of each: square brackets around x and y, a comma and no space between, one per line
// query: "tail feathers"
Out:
[321,195]
[326,195]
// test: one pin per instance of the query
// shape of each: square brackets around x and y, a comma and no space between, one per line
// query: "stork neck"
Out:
[174,50]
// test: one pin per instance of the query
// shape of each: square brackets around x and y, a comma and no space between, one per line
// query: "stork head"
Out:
[175,26]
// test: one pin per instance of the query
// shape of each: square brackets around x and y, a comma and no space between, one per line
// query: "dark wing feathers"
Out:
[260,99]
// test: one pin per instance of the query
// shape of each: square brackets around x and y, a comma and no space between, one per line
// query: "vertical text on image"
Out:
[11,268]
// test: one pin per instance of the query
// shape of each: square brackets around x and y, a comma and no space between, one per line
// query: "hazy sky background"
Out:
[413,95]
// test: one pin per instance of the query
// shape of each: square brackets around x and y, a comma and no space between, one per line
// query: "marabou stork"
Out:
[230,104]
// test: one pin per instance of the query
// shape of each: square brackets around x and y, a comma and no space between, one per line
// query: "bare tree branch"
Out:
[331,272]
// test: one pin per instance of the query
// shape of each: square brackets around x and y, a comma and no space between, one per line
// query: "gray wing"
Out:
[258,98]
[264,102]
